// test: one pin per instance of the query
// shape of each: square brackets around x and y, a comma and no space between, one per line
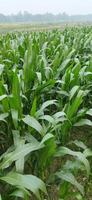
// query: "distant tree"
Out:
[40,18]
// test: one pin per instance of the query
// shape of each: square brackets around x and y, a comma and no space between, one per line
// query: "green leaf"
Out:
[64,93]
[3,97]
[80,156]
[48,103]
[89,112]
[15,99]
[19,142]
[32,122]
[1,69]
[22,150]
[79,196]
[47,137]
[87,152]
[69,177]
[3,116]
[28,182]
[84,122]
[14,114]
[73,91]
[71,53]
[39,76]
[47,118]
[73,108]
[79,144]
[19,153]
[73,165]
[59,114]
[46,155]
[22,193]
[62,66]
[33,109]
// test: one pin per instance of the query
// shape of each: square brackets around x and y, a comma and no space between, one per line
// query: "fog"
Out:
[43,6]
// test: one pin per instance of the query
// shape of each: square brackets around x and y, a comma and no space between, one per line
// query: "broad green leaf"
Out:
[47,118]
[59,114]
[63,66]
[79,197]
[69,177]
[18,142]
[87,152]
[3,116]
[32,122]
[80,156]
[80,144]
[73,91]
[73,165]
[71,53]
[89,112]
[83,122]
[48,103]
[3,90]
[46,156]
[19,154]
[22,193]
[28,182]
[34,107]
[72,108]
[3,97]
[39,76]
[14,114]
[47,137]
[64,93]
[15,99]
[1,69]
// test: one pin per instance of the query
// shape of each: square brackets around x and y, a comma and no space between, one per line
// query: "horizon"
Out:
[25,11]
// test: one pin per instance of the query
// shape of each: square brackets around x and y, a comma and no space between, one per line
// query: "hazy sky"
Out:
[43,6]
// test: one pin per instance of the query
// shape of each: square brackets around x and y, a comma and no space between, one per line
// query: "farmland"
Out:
[46,114]
[13,27]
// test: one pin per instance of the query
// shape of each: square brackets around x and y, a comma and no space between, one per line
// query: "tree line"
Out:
[40,18]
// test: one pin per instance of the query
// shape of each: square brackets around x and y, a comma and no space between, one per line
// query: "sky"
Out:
[43,6]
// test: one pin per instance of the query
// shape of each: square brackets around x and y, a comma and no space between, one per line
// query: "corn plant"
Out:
[45,92]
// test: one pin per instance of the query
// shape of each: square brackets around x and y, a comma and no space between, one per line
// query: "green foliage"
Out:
[45,91]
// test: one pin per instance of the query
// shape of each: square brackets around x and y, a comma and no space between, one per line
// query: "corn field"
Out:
[45,94]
